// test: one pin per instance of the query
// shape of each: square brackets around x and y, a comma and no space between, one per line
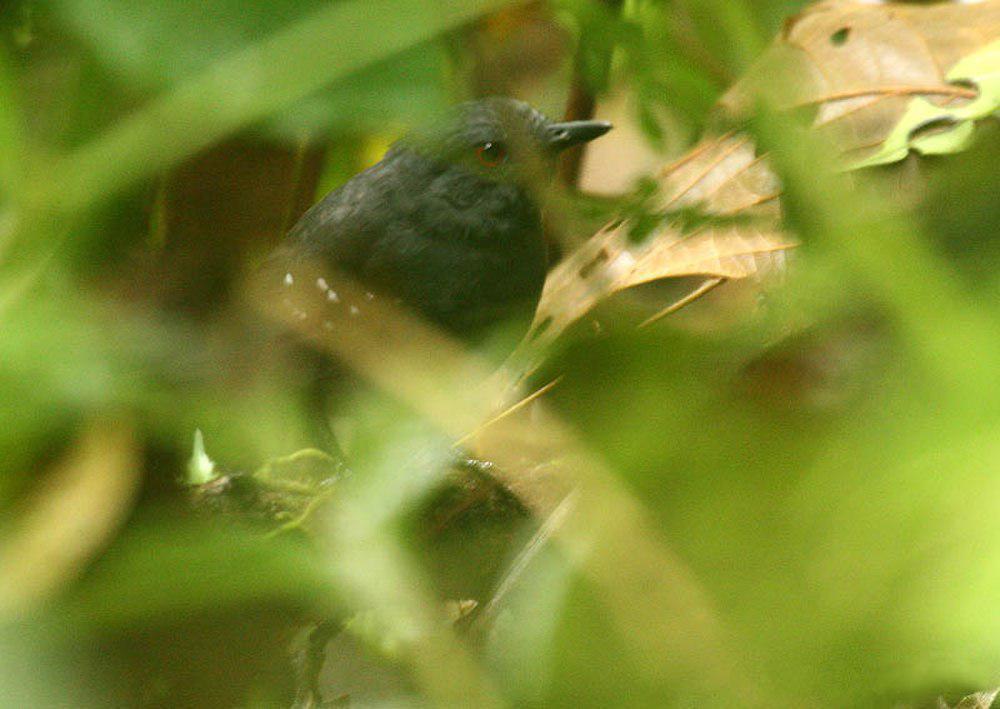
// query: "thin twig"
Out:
[706,287]
[508,411]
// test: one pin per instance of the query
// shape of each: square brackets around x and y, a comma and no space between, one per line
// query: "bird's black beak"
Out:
[566,135]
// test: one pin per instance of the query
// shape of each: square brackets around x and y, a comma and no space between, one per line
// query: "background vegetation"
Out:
[795,485]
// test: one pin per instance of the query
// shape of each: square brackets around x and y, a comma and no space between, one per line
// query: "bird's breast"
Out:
[466,261]
[463,285]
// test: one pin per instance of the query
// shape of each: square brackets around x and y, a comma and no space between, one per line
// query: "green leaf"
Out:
[11,152]
[165,568]
[140,42]
[932,129]
[247,86]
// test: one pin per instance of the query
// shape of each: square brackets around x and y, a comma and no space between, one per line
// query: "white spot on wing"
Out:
[289,280]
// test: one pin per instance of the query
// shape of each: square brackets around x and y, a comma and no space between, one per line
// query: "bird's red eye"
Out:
[491,154]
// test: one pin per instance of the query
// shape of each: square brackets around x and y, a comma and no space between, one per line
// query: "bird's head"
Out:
[503,140]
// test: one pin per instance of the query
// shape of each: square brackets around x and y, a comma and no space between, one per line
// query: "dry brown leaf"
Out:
[862,64]
[859,64]
[608,264]
[722,176]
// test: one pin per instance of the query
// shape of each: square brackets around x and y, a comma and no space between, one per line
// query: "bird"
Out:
[447,223]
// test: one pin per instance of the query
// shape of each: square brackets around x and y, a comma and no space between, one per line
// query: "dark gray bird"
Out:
[447,223]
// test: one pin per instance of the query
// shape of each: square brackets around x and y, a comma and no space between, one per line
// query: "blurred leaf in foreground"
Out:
[81,506]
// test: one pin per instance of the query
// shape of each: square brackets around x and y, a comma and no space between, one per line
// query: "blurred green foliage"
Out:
[150,47]
[824,472]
